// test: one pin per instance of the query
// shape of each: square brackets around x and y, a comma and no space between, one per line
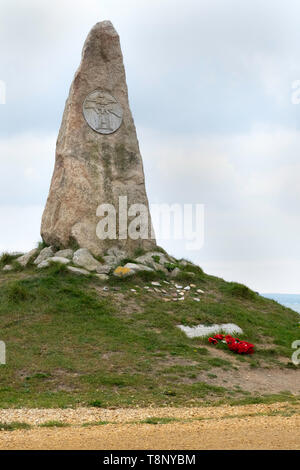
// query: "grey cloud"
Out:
[200,67]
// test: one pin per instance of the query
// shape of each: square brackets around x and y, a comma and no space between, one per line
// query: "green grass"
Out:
[239,290]
[54,424]
[7,258]
[41,245]
[16,292]
[14,426]
[154,420]
[170,267]
[139,252]
[96,404]
[161,250]
[68,345]
[127,260]
[286,412]
[97,423]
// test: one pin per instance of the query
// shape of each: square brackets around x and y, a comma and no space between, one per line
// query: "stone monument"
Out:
[97,154]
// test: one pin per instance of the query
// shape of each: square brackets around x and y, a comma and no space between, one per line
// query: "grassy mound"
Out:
[71,342]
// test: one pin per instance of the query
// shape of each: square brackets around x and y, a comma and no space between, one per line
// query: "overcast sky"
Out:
[210,86]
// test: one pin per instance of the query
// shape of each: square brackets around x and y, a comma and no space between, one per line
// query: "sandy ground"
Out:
[199,428]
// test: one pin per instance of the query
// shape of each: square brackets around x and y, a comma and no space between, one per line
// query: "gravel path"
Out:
[79,416]
[216,428]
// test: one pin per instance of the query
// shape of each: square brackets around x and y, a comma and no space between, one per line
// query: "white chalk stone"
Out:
[204,330]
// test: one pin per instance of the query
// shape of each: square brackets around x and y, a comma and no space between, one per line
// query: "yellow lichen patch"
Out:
[121,271]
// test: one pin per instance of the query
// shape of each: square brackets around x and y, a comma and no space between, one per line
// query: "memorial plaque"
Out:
[102,112]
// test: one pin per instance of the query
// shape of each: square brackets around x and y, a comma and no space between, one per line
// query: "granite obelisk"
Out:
[97,154]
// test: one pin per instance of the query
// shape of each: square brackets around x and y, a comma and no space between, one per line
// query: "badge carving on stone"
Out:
[102,112]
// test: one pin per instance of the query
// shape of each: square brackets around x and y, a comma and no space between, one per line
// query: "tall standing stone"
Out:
[97,154]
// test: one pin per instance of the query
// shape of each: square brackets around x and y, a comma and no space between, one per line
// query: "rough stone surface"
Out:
[111,260]
[44,264]
[103,269]
[154,259]
[121,271]
[79,271]
[175,272]
[190,273]
[138,267]
[59,259]
[65,253]
[114,256]
[116,252]
[205,330]
[8,267]
[83,257]
[102,277]
[46,253]
[54,259]
[91,168]
[24,259]
[183,262]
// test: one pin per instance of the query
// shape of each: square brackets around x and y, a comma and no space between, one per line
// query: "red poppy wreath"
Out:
[234,344]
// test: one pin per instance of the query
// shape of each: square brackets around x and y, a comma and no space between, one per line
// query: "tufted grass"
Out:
[69,344]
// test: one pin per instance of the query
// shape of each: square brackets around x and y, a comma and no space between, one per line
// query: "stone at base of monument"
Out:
[26,258]
[45,254]
[65,253]
[122,272]
[98,160]
[79,271]
[83,258]
[103,269]
[8,267]
[54,259]
[102,277]
[82,262]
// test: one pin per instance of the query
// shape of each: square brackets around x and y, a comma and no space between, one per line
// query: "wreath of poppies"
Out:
[234,344]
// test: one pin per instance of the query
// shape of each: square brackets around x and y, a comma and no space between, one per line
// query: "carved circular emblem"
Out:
[102,112]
